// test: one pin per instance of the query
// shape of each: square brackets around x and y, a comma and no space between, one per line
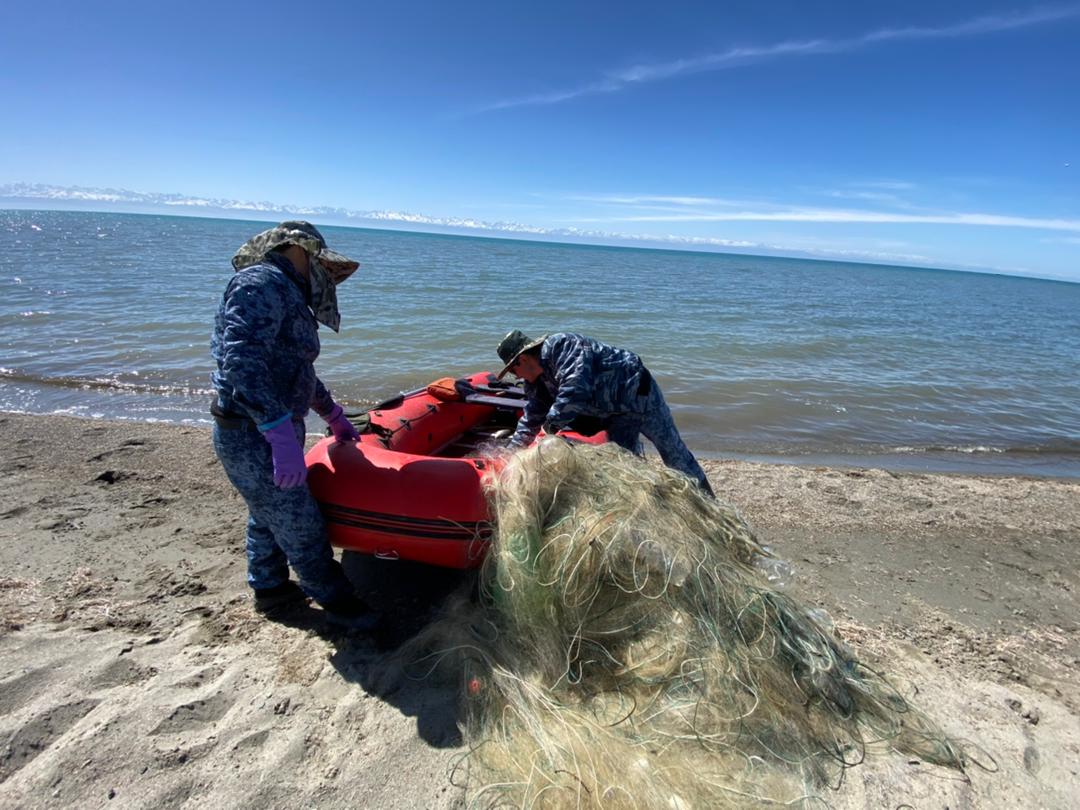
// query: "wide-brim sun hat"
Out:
[511,347]
[295,232]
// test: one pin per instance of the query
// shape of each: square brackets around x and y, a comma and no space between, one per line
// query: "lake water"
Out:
[109,315]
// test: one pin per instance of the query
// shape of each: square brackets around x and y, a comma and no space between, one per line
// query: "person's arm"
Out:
[573,361]
[333,414]
[253,312]
[535,412]
[321,401]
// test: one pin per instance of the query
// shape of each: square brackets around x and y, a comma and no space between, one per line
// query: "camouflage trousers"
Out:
[285,526]
[652,419]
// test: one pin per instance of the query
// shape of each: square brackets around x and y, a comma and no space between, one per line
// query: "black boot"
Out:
[351,612]
[279,599]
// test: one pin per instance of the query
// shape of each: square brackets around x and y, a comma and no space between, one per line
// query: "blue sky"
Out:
[906,132]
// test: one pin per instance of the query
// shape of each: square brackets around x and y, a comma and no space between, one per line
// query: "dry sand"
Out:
[133,672]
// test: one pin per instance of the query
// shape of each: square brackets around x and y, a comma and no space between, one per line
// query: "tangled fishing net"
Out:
[628,652]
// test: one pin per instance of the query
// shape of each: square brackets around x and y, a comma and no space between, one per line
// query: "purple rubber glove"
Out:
[343,429]
[289,468]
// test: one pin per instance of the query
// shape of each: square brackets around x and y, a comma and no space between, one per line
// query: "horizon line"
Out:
[838,256]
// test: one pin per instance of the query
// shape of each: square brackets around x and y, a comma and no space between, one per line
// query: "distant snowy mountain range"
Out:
[179,203]
[24,195]
[113,199]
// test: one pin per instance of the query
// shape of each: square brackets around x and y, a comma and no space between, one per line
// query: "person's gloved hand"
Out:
[342,428]
[289,468]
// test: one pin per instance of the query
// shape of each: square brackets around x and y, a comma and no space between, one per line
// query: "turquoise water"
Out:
[108,315]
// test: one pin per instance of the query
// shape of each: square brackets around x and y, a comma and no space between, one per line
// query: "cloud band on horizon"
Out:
[847,216]
[206,206]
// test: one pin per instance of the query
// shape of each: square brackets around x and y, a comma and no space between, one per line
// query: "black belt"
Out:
[231,421]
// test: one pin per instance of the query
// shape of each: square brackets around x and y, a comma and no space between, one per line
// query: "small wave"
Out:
[967,449]
[1057,447]
[104,384]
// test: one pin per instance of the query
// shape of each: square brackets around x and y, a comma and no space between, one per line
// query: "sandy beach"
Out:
[134,673]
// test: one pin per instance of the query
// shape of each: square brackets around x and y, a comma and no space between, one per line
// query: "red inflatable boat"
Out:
[411,489]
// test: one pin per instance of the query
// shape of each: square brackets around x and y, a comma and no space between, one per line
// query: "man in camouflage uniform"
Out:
[265,342]
[568,376]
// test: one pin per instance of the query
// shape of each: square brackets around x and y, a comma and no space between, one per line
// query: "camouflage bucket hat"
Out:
[514,344]
[295,232]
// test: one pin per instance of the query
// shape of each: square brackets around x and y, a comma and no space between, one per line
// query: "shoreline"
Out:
[998,463]
[922,463]
[132,665]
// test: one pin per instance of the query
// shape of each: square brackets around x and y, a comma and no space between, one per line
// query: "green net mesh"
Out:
[627,651]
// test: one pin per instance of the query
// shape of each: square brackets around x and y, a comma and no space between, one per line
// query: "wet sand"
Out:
[133,672]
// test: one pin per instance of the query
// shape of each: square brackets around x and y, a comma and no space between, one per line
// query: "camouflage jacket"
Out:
[582,377]
[265,343]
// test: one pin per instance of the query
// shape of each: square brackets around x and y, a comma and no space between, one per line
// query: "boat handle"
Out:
[387,554]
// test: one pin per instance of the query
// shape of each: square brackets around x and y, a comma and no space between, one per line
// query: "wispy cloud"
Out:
[887,185]
[868,196]
[887,192]
[660,208]
[830,215]
[621,79]
[651,201]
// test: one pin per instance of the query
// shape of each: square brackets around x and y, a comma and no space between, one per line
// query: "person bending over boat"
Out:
[569,375]
[265,343]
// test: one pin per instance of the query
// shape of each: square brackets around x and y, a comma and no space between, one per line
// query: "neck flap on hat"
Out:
[323,294]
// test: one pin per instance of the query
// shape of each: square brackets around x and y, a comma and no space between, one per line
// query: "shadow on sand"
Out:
[408,596]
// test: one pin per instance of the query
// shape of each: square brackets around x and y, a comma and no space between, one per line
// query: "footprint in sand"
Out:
[22,689]
[199,678]
[192,716]
[39,733]
[127,448]
[253,741]
[1031,760]
[112,477]
[124,672]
